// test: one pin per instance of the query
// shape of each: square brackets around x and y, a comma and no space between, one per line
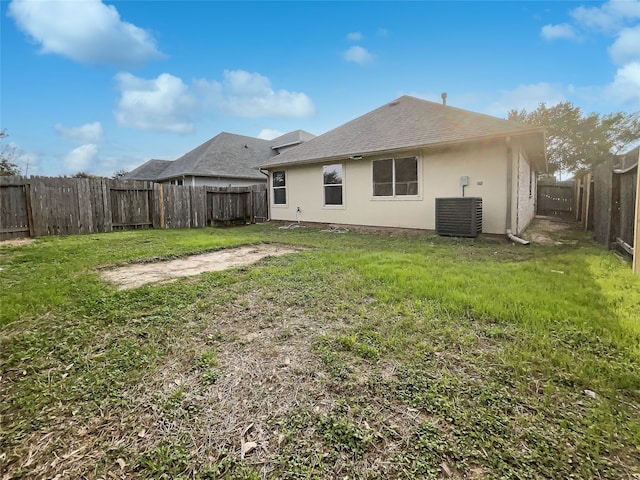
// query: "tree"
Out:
[7,156]
[577,142]
[82,174]
[119,174]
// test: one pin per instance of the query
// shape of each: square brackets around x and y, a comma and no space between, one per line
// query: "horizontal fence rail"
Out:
[40,206]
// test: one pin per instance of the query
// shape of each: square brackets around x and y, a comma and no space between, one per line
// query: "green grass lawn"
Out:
[362,356]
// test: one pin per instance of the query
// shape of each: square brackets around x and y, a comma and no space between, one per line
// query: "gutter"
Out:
[625,170]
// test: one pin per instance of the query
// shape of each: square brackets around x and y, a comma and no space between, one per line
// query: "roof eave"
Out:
[429,146]
[200,175]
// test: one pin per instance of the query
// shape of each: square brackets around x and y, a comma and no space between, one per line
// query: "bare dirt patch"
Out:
[266,372]
[16,242]
[552,231]
[132,276]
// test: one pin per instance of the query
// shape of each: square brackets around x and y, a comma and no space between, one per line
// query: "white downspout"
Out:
[515,239]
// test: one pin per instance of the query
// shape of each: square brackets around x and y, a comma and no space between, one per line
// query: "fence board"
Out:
[628,185]
[604,191]
[198,207]
[85,213]
[260,203]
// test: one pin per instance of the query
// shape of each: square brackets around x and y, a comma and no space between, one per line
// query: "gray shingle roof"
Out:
[404,123]
[148,170]
[297,136]
[225,155]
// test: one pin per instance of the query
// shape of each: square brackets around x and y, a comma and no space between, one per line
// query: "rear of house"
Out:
[388,167]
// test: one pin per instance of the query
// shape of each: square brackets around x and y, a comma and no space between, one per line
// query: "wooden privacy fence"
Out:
[40,206]
[609,201]
[555,199]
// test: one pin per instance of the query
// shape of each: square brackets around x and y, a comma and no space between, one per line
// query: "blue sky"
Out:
[99,86]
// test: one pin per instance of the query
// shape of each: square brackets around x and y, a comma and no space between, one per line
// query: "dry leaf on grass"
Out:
[248,447]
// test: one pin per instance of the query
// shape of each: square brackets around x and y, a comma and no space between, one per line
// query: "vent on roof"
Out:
[459,216]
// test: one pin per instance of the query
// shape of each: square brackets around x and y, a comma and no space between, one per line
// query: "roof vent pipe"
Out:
[444,98]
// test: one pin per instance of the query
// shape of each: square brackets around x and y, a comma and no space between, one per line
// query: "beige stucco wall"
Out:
[439,175]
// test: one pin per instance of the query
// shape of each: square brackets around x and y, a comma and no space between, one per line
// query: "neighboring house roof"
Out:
[225,155]
[292,138]
[148,170]
[405,123]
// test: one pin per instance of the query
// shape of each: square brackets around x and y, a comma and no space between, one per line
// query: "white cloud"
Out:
[626,48]
[527,97]
[382,32]
[619,19]
[87,133]
[163,104]
[554,32]
[27,162]
[269,134]
[358,54]
[86,31]
[245,94]
[167,104]
[610,16]
[625,87]
[355,37]
[81,158]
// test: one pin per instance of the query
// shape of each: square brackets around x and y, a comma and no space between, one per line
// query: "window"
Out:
[177,181]
[530,182]
[394,177]
[332,181]
[279,187]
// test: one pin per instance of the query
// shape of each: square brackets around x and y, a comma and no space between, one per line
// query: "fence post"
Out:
[161,205]
[579,197]
[586,201]
[27,193]
[636,232]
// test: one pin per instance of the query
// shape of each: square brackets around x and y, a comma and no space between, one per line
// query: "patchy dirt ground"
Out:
[16,242]
[552,231]
[132,276]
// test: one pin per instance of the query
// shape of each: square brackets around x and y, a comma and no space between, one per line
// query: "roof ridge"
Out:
[406,122]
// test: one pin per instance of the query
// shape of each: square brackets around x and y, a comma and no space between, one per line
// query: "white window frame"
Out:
[394,195]
[283,187]
[325,185]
